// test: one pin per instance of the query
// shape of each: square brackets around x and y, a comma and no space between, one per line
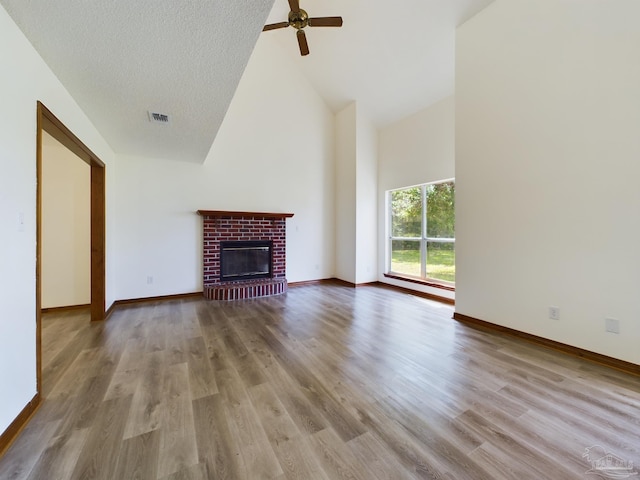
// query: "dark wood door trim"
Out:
[97,243]
[39,128]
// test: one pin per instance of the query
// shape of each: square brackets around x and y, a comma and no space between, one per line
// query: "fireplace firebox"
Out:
[244,260]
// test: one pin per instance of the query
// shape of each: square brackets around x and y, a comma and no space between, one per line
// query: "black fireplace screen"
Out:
[245,260]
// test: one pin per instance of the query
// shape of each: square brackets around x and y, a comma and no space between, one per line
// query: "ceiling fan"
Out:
[299,19]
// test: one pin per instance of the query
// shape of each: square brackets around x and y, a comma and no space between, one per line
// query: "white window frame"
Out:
[423,239]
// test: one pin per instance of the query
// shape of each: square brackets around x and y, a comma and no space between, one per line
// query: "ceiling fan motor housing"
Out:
[298,19]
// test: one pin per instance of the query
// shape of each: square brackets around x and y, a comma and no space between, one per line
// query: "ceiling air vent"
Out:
[156,117]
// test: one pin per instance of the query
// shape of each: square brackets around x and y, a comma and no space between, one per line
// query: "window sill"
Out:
[419,281]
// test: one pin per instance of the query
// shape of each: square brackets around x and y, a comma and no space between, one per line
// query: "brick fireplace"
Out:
[236,228]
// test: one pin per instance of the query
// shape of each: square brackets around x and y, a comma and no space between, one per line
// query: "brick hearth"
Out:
[221,226]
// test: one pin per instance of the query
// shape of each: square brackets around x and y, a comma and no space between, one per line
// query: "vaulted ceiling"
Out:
[122,59]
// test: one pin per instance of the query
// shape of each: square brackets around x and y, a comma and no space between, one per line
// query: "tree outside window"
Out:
[422,236]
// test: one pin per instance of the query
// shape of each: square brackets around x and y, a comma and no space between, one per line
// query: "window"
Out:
[422,232]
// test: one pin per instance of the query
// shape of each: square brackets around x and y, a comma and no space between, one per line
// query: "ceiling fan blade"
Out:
[295,5]
[273,26]
[325,22]
[302,43]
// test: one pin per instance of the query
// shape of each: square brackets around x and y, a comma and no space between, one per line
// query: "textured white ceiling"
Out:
[119,59]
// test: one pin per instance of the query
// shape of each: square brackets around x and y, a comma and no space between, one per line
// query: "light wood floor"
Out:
[325,382]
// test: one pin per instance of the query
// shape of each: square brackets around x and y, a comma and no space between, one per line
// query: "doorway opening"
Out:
[48,122]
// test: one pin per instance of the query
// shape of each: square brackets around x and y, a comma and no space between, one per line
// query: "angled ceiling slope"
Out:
[393,58]
[120,59]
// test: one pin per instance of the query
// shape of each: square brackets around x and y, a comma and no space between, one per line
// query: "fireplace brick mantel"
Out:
[220,226]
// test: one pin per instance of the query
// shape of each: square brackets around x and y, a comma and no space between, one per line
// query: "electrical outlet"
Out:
[554,313]
[149,280]
[612,325]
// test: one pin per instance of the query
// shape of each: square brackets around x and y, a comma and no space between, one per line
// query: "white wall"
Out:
[356,182]
[366,194]
[345,158]
[418,149]
[66,226]
[273,153]
[547,122]
[25,79]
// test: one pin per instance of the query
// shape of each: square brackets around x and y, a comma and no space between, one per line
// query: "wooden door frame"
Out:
[48,122]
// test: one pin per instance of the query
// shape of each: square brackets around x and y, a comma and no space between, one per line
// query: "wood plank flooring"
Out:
[325,382]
